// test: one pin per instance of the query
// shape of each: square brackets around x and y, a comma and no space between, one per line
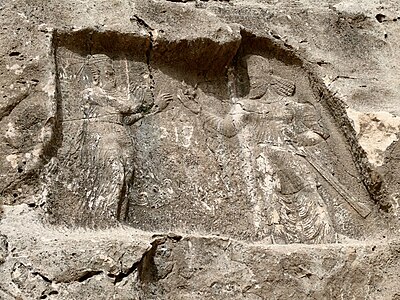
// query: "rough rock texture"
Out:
[199,150]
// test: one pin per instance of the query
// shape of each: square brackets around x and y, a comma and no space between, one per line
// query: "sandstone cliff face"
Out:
[199,150]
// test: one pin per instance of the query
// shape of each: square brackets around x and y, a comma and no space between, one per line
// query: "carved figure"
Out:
[99,145]
[271,128]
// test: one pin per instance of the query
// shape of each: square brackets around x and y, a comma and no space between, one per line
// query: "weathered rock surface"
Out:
[199,150]
[59,263]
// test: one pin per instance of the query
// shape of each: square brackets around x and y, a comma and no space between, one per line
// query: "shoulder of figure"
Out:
[239,106]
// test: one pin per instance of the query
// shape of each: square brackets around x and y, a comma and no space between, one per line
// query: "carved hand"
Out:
[140,97]
[308,138]
[187,98]
[131,119]
[161,102]
[323,132]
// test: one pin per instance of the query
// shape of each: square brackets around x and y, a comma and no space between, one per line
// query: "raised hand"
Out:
[188,99]
[161,102]
[141,97]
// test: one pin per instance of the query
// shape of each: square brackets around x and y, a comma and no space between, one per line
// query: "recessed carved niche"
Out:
[195,136]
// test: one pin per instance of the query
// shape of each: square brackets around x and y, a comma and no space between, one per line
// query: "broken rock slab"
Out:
[44,262]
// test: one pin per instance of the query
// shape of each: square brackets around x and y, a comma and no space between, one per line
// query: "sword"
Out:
[362,209]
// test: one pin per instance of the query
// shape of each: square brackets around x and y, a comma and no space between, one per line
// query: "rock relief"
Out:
[273,131]
[247,151]
[94,167]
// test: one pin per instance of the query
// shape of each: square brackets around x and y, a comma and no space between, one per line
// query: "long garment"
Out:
[281,184]
[99,148]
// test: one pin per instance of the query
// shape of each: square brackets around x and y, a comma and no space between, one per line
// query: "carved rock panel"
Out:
[246,150]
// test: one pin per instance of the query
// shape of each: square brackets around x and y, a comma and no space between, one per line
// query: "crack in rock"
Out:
[121,275]
[149,29]
[45,278]
[87,275]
